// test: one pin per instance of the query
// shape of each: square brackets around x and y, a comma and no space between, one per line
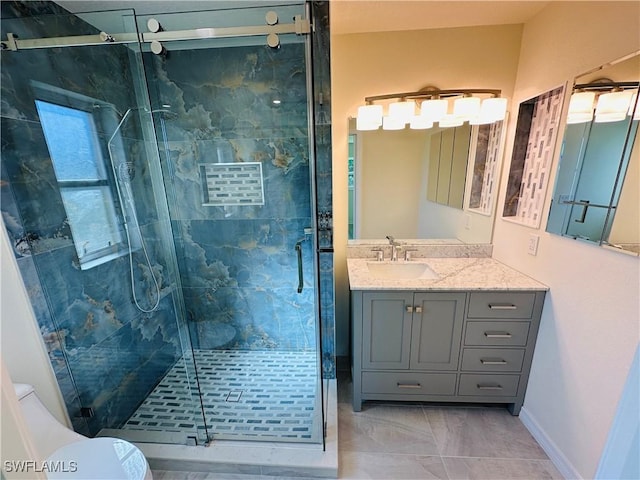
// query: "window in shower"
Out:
[73,142]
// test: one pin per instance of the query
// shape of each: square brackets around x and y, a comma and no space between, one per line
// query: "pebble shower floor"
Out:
[266,395]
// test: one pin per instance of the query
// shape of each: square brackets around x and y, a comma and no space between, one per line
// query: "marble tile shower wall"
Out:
[105,353]
[237,264]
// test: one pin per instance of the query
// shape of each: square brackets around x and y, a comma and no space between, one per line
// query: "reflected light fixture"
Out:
[613,106]
[476,106]
[581,107]
[602,101]
[634,108]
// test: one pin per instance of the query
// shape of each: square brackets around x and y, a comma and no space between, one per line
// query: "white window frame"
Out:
[103,117]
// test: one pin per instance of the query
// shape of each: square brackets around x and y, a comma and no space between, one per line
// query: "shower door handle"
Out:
[300,274]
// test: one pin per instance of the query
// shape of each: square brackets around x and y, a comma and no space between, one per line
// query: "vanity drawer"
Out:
[409,383]
[492,359]
[501,304]
[488,385]
[510,334]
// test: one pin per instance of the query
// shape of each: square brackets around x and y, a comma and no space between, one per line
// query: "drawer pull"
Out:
[497,334]
[497,361]
[418,309]
[488,387]
[409,308]
[409,385]
[502,306]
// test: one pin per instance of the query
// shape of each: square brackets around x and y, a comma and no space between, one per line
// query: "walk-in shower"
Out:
[175,264]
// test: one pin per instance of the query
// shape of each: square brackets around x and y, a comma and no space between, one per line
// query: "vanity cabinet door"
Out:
[386,330]
[437,330]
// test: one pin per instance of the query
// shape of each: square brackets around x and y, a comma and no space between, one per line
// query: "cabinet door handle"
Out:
[497,334]
[418,309]
[409,385]
[493,361]
[409,308]
[480,386]
[502,306]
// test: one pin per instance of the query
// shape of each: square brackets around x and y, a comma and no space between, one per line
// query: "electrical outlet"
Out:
[532,247]
[467,222]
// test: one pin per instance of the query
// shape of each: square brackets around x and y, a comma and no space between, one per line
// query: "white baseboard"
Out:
[564,466]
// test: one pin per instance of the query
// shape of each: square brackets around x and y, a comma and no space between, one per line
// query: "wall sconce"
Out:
[434,106]
[603,101]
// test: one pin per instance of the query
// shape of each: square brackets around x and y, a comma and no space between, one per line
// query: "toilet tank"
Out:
[47,433]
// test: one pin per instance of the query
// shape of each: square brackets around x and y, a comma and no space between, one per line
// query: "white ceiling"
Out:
[354,16]
[359,16]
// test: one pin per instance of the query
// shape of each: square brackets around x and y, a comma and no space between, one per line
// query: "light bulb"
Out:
[433,110]
[402,111]
[450,120]
[368,117]
[581,107]
[420,123]
[632,105]
[466,108]
[613,107]
[392,123]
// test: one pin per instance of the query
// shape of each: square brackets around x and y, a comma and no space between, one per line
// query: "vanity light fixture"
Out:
[419,122]
[369,117]
[467,106]
[393,122]
[602,101]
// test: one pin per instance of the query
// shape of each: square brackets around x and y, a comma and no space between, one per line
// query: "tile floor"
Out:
[393,441]
[245,393]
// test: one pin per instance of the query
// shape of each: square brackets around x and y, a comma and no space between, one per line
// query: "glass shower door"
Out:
[84,205]
[238,170]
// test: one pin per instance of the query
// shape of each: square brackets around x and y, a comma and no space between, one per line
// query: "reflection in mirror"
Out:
[435,184]
[486,168]
[596,192]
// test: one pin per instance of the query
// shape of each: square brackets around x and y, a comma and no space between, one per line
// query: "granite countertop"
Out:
[452,274]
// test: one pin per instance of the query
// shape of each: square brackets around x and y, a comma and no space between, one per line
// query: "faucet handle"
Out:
[380,253]
[407,253]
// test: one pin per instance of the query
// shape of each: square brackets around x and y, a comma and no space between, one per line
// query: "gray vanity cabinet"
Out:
[420,331]
[443,346]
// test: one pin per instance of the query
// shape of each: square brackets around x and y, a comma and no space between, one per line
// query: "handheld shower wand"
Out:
[123,175]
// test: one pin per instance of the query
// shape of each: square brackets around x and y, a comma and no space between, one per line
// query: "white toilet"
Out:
[76,456]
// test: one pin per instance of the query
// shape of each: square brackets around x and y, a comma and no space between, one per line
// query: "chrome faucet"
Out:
[395,246]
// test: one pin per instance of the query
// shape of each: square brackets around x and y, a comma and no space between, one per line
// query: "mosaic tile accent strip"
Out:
[532,157]
[266,395]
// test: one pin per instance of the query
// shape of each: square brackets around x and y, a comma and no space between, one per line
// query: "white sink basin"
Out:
[399,271]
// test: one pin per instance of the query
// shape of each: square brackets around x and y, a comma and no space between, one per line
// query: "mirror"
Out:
[435,184]
[596,191]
